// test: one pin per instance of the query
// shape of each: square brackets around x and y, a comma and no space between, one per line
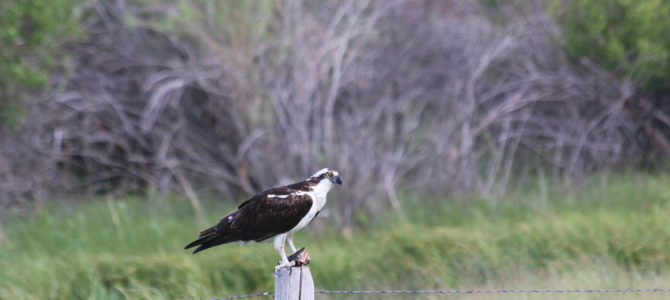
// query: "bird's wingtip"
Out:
[202,247]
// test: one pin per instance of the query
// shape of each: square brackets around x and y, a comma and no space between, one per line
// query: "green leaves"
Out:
[32,35]
[630,37]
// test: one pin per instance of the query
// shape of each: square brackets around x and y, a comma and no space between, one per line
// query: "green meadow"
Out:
[611,232]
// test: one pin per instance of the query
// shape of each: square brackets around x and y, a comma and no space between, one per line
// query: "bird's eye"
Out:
[329,174]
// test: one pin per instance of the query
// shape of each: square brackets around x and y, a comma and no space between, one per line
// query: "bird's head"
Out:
[326,177]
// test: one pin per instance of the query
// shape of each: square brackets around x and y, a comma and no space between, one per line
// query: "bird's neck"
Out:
[322,188]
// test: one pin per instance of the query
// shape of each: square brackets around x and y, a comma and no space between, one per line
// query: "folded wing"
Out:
[263,216]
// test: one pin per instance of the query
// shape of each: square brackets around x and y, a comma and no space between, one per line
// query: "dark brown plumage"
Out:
[278,213]
[260,217]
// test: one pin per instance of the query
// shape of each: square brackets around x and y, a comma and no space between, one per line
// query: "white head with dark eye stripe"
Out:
[324,180]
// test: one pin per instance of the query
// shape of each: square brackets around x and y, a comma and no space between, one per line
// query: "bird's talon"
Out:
[280,265]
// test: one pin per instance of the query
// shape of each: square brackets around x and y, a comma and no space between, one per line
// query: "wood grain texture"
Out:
[294,284]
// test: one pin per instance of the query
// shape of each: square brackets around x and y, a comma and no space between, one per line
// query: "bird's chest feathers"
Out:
[319,201]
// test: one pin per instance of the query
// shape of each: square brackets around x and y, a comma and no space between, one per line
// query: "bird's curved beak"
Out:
[336,179]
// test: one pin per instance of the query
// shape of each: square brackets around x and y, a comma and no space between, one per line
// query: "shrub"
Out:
[629,36]
[31,35]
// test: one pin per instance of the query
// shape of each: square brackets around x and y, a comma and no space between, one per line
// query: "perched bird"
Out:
[277,212]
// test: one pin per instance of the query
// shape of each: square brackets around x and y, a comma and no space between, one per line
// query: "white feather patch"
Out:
[318,195]
[318,173]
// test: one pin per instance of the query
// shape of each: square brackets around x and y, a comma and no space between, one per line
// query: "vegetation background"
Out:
[483,143]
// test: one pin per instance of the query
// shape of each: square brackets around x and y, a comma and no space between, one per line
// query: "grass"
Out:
[615,233]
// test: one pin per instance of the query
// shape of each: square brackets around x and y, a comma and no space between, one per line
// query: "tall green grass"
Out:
[614,233]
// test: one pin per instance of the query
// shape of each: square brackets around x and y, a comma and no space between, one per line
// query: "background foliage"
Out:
[627,37]
[227,98]
[476,139]
[32,34]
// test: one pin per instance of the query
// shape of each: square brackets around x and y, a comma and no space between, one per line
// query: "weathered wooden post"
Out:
[294,283]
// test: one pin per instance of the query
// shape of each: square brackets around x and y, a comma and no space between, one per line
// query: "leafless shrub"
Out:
[395,94]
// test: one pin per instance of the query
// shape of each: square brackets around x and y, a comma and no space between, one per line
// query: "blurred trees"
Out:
[630,39]
[229,97]
[32,34]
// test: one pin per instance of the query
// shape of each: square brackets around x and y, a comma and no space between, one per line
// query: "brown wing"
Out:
[258,218]
[262,217]
[215,235]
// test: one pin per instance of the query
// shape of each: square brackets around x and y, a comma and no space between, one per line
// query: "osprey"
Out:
[277,212]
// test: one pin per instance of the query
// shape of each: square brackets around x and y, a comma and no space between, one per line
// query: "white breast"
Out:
[318,204]
[318,195]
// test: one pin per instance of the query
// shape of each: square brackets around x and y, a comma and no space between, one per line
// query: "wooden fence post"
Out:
[294,284]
